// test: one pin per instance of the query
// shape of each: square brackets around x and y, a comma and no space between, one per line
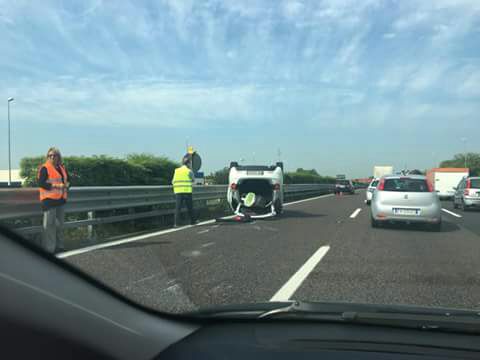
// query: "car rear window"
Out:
[374,183]
[343,182]
[475,183]
[406,184]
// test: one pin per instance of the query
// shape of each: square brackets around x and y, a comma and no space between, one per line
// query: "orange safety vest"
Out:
[54,177]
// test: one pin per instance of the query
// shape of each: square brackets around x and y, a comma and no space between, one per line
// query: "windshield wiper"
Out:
[461,321]
[412,317]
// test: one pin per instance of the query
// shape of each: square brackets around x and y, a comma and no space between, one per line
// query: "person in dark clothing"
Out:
[53,183]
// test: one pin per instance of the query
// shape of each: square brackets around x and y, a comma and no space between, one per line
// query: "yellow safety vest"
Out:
[182,180]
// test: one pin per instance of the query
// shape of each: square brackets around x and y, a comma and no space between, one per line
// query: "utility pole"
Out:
[9,100]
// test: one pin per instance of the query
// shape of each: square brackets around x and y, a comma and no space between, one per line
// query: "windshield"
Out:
[196,154]
[406,184]
[475,183]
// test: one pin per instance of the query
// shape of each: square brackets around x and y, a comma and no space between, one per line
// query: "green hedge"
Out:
[135,169]
[302,176]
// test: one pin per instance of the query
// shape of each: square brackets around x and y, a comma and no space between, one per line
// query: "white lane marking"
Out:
[287,290]
[163,232]
[355,213]
[203,231]
[305,200]
[135,238]
[208,244]
[451,213]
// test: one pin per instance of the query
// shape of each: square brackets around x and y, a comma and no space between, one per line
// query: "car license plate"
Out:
[254,172]
[408,212]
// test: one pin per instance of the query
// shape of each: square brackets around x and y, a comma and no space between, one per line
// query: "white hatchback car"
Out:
[255,190]
[370,189]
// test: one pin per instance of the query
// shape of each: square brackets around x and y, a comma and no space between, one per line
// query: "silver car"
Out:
[467,193]
[408,199]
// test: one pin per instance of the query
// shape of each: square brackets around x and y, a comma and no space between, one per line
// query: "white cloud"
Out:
[389,35]
[292,8]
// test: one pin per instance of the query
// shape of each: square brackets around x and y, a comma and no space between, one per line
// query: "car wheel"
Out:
[368,202]
[375,223]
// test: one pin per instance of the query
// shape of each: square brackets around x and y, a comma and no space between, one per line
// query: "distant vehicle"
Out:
[256,191]
[444,179]
[344,186]
[409,199]
[467,193]
[370,189]
[379,171]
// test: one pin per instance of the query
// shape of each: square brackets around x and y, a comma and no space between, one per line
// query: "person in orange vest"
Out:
[53,183]
[182,187]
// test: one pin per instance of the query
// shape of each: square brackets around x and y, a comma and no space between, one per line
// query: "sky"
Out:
[335,85]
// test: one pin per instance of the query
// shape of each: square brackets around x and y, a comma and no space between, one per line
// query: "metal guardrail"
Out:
[17,204]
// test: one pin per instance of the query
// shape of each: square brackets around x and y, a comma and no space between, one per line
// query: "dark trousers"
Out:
[188,201]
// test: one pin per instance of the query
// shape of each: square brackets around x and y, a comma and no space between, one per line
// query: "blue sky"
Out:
[337,85]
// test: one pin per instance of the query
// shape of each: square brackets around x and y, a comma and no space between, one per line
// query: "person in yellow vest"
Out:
[53,183]
[182,187]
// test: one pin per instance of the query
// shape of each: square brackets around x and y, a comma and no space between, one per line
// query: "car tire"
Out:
[368,202]
[375,223]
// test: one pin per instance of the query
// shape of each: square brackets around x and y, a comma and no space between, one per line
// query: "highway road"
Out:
[322,249]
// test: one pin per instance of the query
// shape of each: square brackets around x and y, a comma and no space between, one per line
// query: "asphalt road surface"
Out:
[323,249]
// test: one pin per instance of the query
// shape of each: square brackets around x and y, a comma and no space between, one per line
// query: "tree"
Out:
[219,177]
[472,160]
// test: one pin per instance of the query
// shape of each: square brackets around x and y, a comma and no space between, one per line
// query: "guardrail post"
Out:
[90,229]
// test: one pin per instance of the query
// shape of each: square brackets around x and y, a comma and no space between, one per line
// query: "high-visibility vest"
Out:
[54,177]
[182,181]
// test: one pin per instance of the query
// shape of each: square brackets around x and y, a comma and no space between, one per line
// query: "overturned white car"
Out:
[255,191]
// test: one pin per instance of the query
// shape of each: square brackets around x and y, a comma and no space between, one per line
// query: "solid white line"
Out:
[135,238]
[203,231]
[451,213]
[297,279]
[162,232]
[309,199]
[355,213]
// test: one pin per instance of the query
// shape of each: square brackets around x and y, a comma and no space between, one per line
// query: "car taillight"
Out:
[233,186]
[381,184]
[276,187]
[466,192]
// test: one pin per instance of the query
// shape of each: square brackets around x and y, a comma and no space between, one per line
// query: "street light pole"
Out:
[464,140]
[9,100]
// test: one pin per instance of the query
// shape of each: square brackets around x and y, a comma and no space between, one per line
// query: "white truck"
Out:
[255,190]
[379,171]
[445,179]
